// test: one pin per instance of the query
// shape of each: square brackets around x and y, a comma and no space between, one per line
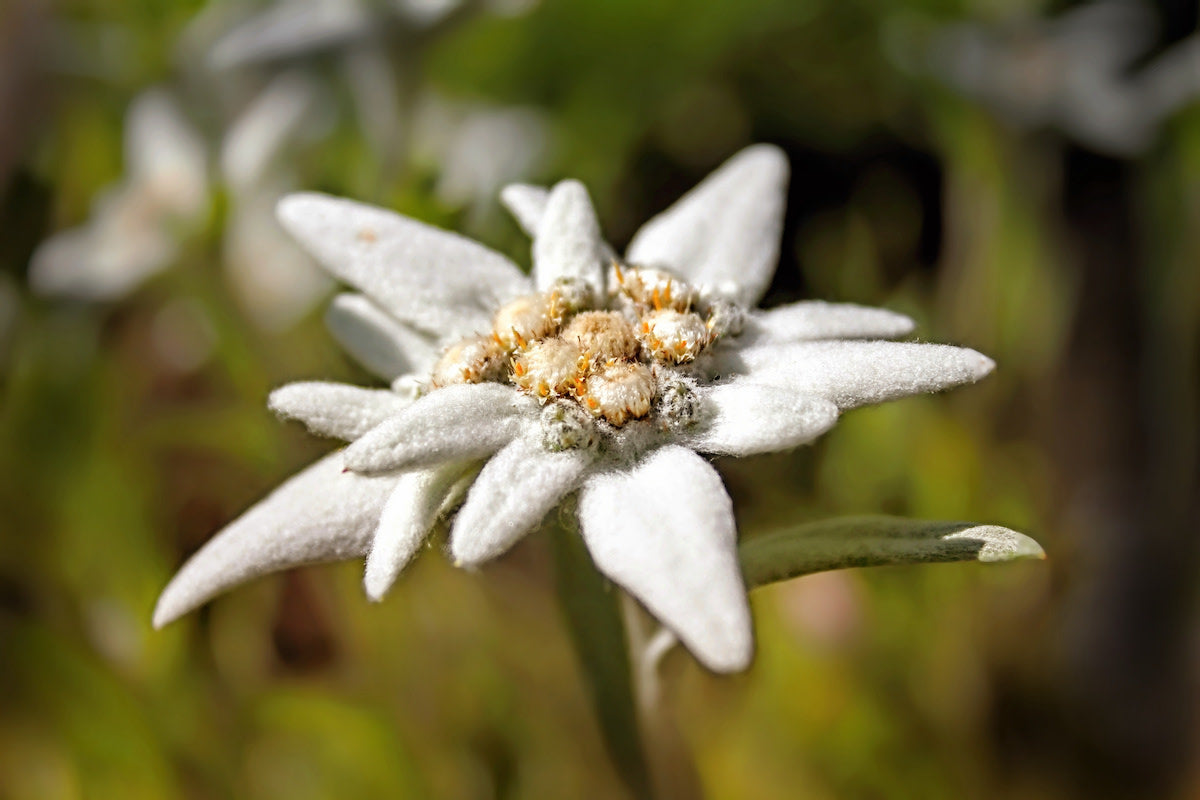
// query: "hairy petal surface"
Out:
[568,243]
[726,230]
[336,409]
[375,339]
[405,522]
[527,204]
[749,418]
[320,514]
[436,280]
[453,423]
[513,492]
[664,531]
[814,319]
[853,374]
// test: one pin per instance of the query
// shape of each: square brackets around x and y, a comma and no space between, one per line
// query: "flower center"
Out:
[604,360]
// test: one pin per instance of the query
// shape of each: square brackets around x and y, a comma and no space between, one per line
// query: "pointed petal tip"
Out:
[377,583]
[983,366]
[470,552]
[292,209]
[999,544]
[764,156]
[569,186]
[902,324]
[736,655]
[517,192]
[169,607]
[279,400]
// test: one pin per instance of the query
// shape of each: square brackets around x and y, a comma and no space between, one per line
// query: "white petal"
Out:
[449,424]
[105,259]
[433,279]
[260,132]
[814,319]
[513,492]
[726,229]
[858,373]
[527,204]
[568,243]
[165,158]
[405,523]
[291,29]
[385,346]
[320,514]
[664,531]
[336,409]
[749,418]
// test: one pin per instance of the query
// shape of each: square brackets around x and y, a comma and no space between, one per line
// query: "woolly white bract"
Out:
[621,424]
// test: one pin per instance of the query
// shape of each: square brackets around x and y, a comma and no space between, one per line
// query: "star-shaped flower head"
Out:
[609,379]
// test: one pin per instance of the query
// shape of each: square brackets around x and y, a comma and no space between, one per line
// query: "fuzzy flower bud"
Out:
[602,335]
[566,426]
[473,360]
[673,337]
[620,391]
[550,368]
[527,319]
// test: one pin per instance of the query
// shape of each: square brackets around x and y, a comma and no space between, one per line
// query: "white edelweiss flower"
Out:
[135,226]
[585,402]
[360,37]
[1086,72]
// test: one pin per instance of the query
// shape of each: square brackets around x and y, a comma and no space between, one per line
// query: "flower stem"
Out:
[593,617]
[673,774]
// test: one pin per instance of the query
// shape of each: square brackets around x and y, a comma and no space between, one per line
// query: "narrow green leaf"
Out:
[876,541]
[592,612]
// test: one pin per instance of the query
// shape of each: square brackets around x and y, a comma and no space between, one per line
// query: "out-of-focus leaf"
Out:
[597,631]
[308,744]
[876,541]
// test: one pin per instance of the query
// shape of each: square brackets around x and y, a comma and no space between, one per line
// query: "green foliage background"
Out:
[892,682]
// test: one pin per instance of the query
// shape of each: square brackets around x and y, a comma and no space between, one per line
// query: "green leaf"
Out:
[876,541]
[592,612]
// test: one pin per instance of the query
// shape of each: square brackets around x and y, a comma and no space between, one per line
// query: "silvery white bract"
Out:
[1076,73]
[677,365]
[135,227]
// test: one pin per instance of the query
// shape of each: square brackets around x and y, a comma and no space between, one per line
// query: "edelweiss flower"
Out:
[602,378]
[1088,72]
[135,228]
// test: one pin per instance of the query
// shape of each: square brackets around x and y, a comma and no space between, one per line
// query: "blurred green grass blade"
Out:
[591,610]
[876,541]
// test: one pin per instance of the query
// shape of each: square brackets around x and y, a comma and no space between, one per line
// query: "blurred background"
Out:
[1022,178]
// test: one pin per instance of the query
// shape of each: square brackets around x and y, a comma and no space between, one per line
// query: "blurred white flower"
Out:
[272,278]
[1078,73]
[360,36]
[477,149]
[136,226]
[605,381]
